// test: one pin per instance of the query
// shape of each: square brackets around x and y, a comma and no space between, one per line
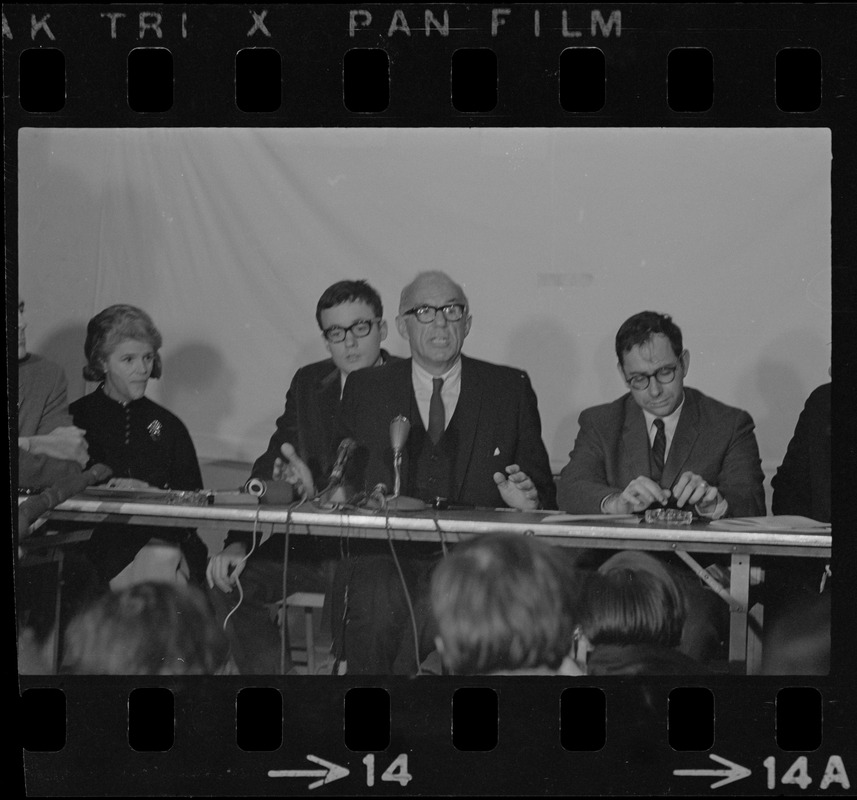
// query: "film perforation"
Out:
[690,718]
[151,719]
[259,718]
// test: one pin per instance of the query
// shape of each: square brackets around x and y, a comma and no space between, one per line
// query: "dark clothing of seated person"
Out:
[632,614]
[142,442]
[505,604]
[475,440]
[299,459]
[666,443]
[801,487]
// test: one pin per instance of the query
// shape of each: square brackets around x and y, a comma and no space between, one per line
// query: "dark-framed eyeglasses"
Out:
[360,328]
[662,375]
[452,312]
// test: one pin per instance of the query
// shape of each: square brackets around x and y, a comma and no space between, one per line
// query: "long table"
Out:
[452,526]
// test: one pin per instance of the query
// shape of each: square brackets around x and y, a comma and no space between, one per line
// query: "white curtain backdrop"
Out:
[228,237]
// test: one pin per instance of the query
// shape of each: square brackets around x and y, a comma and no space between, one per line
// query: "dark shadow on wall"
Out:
[198,385]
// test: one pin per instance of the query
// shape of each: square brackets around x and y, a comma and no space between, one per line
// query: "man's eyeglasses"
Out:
[663,375]
[361,328]
[452,312]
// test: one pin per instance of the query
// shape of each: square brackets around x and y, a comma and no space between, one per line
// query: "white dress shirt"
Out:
[449,392]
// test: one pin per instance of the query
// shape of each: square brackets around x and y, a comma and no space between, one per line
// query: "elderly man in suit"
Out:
[662,441]
[301,452]
[665,443]
[475,440]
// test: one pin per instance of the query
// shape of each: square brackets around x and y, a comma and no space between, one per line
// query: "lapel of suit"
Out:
[327,394]
[635,440]
[466,416]
[683,440]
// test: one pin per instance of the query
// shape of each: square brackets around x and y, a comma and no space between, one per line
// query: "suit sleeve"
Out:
[55,412]
[286,431]
[531,454]
[583,482]
[741,479]
[41,472]
[792,484]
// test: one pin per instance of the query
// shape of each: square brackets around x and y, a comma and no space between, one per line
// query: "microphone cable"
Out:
[237,579]
[284,619]
[411,613]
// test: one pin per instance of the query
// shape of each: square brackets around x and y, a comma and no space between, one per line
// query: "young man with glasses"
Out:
[302,452]
[663,442]
[475,440]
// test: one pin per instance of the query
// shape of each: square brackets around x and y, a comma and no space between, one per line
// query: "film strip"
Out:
[450,67]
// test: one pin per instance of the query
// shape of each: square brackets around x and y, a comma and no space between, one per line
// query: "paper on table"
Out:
[595,518]
[788,522]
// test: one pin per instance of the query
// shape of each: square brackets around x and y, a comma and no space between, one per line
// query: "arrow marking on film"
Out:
[735,772]
[330,773]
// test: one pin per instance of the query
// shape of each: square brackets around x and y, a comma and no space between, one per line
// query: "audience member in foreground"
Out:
[150,628]
[144,444]
[504,604]
[631,616]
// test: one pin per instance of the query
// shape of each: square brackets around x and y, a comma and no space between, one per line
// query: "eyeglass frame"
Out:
[649,375]
[416,309]
[370,322]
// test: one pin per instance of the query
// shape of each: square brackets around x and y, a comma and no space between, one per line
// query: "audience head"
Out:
[22,330]
[121,349]
[652,362]
[350,315]
[150,628]
[434,317]
[505,602]
[632,599]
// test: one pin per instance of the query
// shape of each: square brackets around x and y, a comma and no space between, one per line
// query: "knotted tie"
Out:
[437,417]
[659,448]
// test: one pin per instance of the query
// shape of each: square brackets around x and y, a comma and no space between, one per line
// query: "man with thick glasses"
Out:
[475,440]
[301,452]
[662,442]
[665,443]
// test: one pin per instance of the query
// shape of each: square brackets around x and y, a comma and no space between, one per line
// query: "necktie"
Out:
[437,417]
[659,448]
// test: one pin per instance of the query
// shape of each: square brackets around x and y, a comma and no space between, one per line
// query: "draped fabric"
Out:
[228,237]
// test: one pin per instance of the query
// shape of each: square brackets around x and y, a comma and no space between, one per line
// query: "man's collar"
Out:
[670,419]
[422,374]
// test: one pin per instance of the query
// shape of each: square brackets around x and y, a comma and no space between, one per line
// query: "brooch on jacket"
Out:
[155,429]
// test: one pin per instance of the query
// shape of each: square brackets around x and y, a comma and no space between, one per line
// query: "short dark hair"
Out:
[641,327]
[112,326]
[349,292]
[150,628]
[504,602]
[633,600]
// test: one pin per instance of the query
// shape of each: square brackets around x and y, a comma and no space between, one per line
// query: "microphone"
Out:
[334,492]
[400,427]
[346,447]
[33,507]
[270,493]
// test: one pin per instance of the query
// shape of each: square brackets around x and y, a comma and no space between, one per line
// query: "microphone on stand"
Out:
[400,427]
[334,492]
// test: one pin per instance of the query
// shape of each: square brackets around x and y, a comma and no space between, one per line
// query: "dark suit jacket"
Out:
[497,415]
[712,439]
[308,421]
[802,483]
